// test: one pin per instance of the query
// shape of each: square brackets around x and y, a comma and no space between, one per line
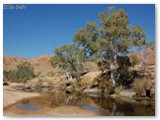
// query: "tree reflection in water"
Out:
[103,106]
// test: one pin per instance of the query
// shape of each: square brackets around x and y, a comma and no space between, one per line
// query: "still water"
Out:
[102,105]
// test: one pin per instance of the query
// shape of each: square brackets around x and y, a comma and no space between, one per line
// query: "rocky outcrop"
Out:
[90,91]
[150,56]
[70,88]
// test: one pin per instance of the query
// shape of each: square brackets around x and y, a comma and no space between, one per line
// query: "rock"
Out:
[20,87]
[45,90]
[70,82]
[150,56]
[113,95]
[46,85]
[16,84]
[5,83]
[148,86]
[70,88]
[148,89]
[90,91]
[55,86]
[153,91]
[127,93]
[95,85]
[29,88]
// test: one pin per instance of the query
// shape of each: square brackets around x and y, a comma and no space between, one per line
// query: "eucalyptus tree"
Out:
[108,38]
[70,58]
[139,40]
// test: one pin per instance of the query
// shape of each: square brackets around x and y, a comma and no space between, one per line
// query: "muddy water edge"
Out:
[101,105]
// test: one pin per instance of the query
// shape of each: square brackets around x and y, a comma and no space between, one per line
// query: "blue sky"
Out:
[38,29]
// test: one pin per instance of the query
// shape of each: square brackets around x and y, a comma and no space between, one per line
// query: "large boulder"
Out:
[5,83]
[70,82]
[88,80]
[127,93]
[70,88]
[90,91]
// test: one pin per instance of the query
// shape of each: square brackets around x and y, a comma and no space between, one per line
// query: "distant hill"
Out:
[40,64]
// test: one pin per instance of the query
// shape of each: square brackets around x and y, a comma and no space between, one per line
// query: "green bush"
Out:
[76,85]
[123,75]
[23,73]
[118,89]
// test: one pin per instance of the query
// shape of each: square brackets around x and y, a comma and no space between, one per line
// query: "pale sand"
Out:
[11,96]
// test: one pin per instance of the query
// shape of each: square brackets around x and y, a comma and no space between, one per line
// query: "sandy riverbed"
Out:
[12,96]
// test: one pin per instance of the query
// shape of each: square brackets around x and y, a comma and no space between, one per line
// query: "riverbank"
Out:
[58,111]
[12,96]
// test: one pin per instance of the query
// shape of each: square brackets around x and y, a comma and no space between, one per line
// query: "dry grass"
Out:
[139,86]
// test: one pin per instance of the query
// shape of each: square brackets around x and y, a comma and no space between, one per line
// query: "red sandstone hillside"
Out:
[41,63]
[150,56]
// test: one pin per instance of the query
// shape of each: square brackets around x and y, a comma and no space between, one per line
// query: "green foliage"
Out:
[138,36]
[139,40]
[123,75]
[70,59]
[123,63]
[23,73]
[54,61]
[118,89]
[76,85]
[112,37]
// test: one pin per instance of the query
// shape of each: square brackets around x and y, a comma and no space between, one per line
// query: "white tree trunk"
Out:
[112,71]
[78,71]
[68,76]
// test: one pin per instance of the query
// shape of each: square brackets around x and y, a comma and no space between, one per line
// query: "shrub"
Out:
[76,85]
[139,86]
[118,89]
[122,73]
[108,88]
[23,73]
[125,78]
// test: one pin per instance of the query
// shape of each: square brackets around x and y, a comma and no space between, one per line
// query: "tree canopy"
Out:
[112,36]
[70,59]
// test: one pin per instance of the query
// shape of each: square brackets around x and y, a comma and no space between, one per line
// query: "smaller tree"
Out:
[70,58]
[139,40]
[25,71]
